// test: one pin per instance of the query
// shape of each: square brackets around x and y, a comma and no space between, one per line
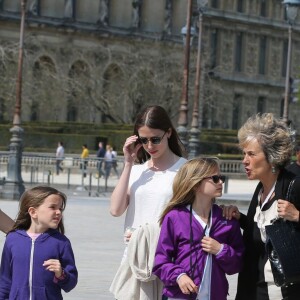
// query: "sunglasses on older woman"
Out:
[155,140]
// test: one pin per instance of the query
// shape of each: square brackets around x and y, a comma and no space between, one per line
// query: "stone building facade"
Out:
[102,60]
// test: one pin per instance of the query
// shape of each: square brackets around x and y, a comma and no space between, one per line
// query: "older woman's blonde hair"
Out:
[273,135]
[187,180]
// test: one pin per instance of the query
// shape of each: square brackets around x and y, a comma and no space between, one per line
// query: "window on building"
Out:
[240,6]
[236,108]
[261,105]
[262,55]
[263,8]
[34,113]
[284,56]
[2,109]
[238,53]
[71,112]
[215,3]
[214,48]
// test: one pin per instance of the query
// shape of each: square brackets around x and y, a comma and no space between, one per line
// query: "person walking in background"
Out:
[60,153]
[84,155]
[294,167]
[267,146]
[144,188]
[37,259]
[115,161]
[6,223]
[108,160]
[100,155]
[197,246]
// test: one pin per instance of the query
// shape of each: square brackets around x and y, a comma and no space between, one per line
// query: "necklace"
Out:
[269,195]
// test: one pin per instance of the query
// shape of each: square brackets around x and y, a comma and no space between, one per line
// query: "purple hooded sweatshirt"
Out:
[174,251]
[22,275]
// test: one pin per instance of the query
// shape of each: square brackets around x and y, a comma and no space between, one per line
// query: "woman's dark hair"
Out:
[156,117]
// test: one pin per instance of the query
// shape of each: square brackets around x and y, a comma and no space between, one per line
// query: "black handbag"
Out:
[283,249]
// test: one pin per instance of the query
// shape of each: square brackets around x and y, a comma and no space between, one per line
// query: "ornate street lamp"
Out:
[194,140]
[291,13]
[183,110]
[14,187]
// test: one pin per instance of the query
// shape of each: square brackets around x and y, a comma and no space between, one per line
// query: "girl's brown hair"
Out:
[34,198]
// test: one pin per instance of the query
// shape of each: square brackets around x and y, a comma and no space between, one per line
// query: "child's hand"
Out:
[210,245]
[187,285]
[54,265]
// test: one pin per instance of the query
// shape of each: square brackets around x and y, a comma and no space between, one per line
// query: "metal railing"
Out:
[41,169]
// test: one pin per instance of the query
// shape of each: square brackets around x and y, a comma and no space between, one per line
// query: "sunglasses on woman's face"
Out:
[155,140]
[216,178]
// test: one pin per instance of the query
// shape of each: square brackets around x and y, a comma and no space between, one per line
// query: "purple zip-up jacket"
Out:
[22,275]
[173,252]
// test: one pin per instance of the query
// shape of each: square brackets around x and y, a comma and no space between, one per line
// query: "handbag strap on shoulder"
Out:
[288,194]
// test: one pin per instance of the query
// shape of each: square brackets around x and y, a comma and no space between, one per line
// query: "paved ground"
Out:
[97,241]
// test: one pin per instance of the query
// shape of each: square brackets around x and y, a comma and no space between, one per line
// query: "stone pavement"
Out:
[97,240]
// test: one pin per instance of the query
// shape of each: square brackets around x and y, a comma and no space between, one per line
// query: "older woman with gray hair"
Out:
[267,147]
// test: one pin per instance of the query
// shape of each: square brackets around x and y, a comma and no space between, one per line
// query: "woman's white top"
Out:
[149,193]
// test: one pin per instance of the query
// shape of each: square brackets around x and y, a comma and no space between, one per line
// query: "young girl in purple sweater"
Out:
[37,258]
[197,246]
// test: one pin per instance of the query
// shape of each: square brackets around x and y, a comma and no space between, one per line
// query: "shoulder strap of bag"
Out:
[288,194]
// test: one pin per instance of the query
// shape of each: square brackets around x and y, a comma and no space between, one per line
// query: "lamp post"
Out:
[194,141]
[14,187]
[291,13]
[183,110]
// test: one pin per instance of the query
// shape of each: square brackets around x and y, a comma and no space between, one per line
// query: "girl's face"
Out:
[47,215]
[211,186]
[155,141]
[255,162]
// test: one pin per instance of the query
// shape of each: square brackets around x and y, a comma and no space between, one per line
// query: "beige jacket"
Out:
[134,279]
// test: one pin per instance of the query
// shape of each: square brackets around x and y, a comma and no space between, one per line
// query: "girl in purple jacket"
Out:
[197,247]
[37,258]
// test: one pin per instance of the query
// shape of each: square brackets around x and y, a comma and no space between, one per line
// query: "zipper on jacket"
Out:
[31,269]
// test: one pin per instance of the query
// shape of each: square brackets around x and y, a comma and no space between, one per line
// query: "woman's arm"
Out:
[6,223]
[119,199]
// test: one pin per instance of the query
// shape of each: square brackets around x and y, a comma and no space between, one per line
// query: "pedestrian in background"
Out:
[197,246]
[37,259]
[115,161]
[100,155]
[60,153]
[84,156]
[267,146]
[152,157]
[294,167]
[108,160]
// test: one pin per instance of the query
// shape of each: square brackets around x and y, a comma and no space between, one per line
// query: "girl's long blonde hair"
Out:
[186,181]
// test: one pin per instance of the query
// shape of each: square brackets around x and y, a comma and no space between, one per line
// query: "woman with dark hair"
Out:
[144,188]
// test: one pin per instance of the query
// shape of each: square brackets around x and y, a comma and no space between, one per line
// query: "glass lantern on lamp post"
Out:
[291,14]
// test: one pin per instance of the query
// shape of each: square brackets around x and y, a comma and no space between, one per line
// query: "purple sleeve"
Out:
[164,266]
[5,272]
[231,257]
[70,271]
